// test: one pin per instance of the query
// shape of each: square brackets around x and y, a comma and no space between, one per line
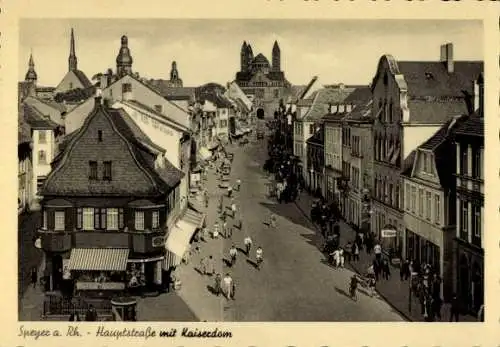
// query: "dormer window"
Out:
[99,135]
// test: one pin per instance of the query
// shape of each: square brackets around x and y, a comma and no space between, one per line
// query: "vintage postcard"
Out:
[280,173]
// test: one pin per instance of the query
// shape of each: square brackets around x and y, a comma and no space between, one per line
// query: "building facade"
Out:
[316,159]
[105,207]
[265,82]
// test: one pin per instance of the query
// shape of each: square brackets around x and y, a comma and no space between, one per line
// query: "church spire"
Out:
[72,60]
[124,59]
[31,75]
[174,74]
[276,57]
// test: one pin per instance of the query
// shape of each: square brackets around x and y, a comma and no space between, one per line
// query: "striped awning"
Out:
[193,217]
[98,259]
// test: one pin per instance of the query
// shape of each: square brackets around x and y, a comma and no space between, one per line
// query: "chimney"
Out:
[447,56]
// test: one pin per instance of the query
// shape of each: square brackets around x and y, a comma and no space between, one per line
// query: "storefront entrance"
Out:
[420,250]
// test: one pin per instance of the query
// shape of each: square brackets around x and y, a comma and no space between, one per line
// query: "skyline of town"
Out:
[49,42]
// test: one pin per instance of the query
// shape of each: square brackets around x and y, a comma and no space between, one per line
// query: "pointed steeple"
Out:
[244,57]
[276,57]
[31,75]
[174,74]
[72,60]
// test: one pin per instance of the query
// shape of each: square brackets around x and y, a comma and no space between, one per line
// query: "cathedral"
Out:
[264,83]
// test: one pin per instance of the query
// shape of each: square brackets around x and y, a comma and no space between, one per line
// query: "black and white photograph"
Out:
[251,170]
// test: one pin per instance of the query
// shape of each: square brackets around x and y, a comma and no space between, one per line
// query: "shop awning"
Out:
[204,153]
[98,259]
[178,240]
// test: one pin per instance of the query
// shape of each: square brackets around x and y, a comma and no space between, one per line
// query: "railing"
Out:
[56,305]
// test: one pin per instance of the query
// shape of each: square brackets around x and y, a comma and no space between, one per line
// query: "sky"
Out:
[208,50]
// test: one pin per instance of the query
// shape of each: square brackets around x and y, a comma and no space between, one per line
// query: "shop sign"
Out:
[386,233]
[158,241]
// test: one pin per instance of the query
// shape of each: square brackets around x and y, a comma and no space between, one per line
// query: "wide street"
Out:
[295,283]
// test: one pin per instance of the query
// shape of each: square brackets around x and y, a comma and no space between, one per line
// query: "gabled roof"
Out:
[323,98]
[36,119]
[361,113]
[426,78]
[163,179]
[172,93]
[50,103]
[80,75]
[260,59]
[472,126]
[408,164]
[360,95]
[436,111]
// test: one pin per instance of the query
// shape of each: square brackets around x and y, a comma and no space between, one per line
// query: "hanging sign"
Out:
[386,233]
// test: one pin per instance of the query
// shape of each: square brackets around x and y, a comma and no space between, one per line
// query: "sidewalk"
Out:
[393,290]
[30,306]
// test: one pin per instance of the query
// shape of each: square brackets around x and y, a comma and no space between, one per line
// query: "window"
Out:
[126,87]
[428,198]
[413,199]
[42,136]
[476,220]
[156,220]
[407,197]
[464,218]
[424,163]
[107,171]
[121,224]
[99,135]
[276,93]
[88,218]
[437,208]
[421,202]
[93,170]
[391,192]
[79,218]
[464,158]
[476,163]
[59,220]
[159,108]
[42,157]
[223,123]
[311,128]
[44,220]
[40,181]
[139,220]
[396,197]
[112,219]
[100,218]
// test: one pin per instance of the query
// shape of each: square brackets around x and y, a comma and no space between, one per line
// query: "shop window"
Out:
[59,221]
[99,218]
[139,220]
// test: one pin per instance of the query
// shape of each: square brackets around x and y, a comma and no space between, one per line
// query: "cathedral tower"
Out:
[276,57]
[174,74]
[31,75]
[243,57]
[72,60]
[249,57]
[124,59]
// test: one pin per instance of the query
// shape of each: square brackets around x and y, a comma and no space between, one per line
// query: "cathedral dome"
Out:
[261,60]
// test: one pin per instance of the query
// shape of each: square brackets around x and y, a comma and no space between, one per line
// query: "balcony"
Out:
[136,241]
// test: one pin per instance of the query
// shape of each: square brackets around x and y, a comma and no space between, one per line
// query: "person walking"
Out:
[224,230]
[228,286]
[378,251]
[233,210]
[272,222]
[454,309]
[348,251]
[386,271]
[229,191]
[205,195]
[336,257]
[248,245]
[405,270]
[218,284]
[341,257]
[355,252]
[204,265]
[34,276]
[259,257]
[215,231]
[371,285]
[232,254]
[238,184]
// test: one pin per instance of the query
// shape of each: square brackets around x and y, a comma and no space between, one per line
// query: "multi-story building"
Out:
[333,154]
[265,82]
[25,165]
[310,112]
[411,101]
[469,238]
[357,156]
[106,205]
[429,204]
[316,159]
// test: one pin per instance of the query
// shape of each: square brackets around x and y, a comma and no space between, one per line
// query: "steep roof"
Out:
[164,179]
[36,119]
[260,59]
[360,95]
[472,126]
[435,111]
[316,138]
[217,99]
[432,78]
[408,164]
[165,88]
[361,113]
[323,98]
[23,127]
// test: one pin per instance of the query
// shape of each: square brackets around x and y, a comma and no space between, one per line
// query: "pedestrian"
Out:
[238,184]
[341,257]
[91,315]
[233,209]
[34,276]
[273,221]
[355,252]
[336,258]
[224,230]
[229,191]
[348,251]
[203,265]
[218,285]
[454,309]
[229,231]
[215,232]
[386,271]
[228,286]
[371,285]
[247,241]
[259,257]
[232,254]
[376,268]
[405,270]
[204,234]
[205,194]
[378,251]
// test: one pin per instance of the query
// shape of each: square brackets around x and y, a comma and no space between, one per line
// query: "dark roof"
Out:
[260,59]
[435,112]
[439,136]
[82,78]
[360,95]
[165,88]
[316,139]
[433,79]
[23,128]
[334,117]
[472,126]
[51,103]
[137,104]
[408,164]
[361,113]
[217,99]
[36,119]
[45,89]
[165,179]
